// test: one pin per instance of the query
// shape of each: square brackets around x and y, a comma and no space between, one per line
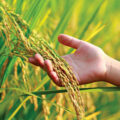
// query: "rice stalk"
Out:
[24,43]
[15,71]
[45,108]
[24,76]
[3,94]
[30,95]
[60,111]
[24,105]
[59,102]
[28,98]
[35,103]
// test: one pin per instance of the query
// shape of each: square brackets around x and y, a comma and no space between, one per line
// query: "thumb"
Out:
[69,41]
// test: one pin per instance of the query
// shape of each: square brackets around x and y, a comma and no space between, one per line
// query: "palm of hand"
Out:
[87,63]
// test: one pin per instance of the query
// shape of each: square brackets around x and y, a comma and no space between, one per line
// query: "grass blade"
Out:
[43,82]
[88,24]
[62,23]
[19,4]
[96,89]
[46,92]
[95,33]
[91,20]
[8,69]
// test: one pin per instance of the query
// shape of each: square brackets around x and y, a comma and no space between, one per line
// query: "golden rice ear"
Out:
[25,44]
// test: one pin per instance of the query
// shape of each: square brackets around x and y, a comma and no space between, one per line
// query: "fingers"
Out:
[47,66]
[39,60]
[55,78]
[69,41]
[33,61]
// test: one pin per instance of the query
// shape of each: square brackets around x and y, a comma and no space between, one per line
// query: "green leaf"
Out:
[32,94]
[91,20]
[88,24]
[8,70]
[38,13]
[19,4]
[63,22]
[96,89]
[2,60]
[29,14]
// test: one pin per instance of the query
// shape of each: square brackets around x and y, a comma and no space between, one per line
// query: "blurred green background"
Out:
[97,22]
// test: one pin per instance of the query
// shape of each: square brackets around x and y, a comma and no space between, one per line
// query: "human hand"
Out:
[88,62]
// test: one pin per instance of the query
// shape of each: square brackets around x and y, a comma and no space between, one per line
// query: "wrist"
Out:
[112,71]
[108,63]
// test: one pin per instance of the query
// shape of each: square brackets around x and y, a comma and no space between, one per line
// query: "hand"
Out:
[88,62]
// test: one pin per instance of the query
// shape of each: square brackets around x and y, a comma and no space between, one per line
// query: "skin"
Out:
[89,63]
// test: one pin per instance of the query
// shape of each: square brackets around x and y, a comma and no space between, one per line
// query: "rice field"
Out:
[26,91]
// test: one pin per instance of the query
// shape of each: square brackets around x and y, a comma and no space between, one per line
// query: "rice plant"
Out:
[29,27]
[24,46]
